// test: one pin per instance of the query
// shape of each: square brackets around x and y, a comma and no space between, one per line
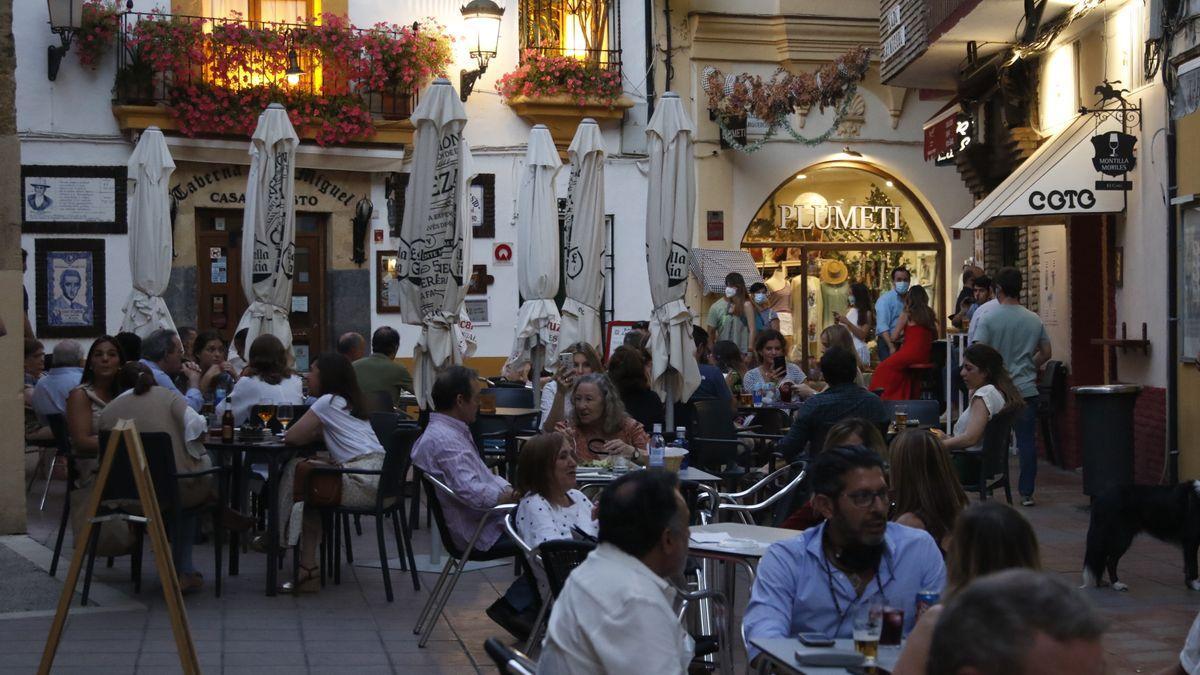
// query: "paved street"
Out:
[351,628]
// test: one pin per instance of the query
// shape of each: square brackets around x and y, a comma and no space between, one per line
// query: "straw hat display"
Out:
[834,272]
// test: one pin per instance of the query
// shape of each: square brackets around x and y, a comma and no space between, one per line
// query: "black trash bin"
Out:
[1106,432]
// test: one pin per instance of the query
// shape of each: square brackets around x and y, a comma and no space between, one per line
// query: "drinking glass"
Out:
[283,413]
[265,412]
[868,625]
[901,418]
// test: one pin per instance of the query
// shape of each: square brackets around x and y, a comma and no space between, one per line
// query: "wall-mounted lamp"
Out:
[66,16]
[483,37]
[294,71]
[362,216]
[846,150]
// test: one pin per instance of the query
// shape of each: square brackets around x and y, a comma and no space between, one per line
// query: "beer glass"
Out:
[868,625]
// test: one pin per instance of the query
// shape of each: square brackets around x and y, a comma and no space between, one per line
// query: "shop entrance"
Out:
[833,225]
[220,298]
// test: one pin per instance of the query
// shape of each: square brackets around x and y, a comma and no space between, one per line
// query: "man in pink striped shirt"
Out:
[447,452]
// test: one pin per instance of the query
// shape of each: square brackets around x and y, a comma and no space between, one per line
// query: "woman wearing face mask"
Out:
[732,317]
[764,316]
[917,326]
[859,320]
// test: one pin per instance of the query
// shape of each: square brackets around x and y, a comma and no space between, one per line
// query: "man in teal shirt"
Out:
[1020,337]
[380,372]
[887,312]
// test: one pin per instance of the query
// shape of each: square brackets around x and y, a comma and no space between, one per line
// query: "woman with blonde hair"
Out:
[550,508]
[925,488]
[988,537]
[598,426]
[556,395]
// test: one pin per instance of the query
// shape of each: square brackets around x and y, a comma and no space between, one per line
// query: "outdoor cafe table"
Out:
[586,474]
[244,450]
[780,652]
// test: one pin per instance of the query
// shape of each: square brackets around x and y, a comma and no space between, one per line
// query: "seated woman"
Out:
[598,426]
[158,409]
[988,537]
[551,507]
[839,336]
[556,395]
[917,326]
[769,345]
[97,387]
[268,380]
[339,418]
[732,363]
[627,371]
[210,352]
[992,391]
[924,486]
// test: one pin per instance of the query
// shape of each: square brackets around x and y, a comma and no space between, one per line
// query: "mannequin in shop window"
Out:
[835,291]
[732,317]
[859,319]
[916,328]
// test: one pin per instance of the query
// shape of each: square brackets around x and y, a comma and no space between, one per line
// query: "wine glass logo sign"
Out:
[1114,153]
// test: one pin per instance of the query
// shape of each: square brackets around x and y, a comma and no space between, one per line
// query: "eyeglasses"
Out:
[865,498]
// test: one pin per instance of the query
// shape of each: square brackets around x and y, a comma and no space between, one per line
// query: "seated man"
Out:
[50,393]
[163,353]
[447,452]
[843,398]
[380,373]
[817,582]
[615,614]
[1017,622]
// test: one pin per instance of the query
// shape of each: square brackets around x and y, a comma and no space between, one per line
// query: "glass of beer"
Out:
[265,412]
[283,413]
[901,418]
[868,626]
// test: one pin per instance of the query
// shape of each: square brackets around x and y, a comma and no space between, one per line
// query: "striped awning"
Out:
[710,266]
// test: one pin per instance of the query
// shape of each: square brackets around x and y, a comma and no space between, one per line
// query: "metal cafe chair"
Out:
[458,559]
[508,660]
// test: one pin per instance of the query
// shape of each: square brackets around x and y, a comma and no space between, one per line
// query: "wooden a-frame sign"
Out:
[124,435]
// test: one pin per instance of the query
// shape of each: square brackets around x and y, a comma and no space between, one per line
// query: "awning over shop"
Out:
[369,160]
[1058,179]
[710,266]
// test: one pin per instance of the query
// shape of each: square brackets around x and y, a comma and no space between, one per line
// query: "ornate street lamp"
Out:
[66,16]
[294,71]
[483,37]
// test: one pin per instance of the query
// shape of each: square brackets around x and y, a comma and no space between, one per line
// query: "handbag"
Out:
[324,489]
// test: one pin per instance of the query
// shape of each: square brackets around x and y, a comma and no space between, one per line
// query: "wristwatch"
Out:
[637,455]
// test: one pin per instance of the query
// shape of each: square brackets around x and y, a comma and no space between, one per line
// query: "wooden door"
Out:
[308,288]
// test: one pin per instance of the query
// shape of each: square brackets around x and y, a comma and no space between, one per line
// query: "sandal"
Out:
[309,581]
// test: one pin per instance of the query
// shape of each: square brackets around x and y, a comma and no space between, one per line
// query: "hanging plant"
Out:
[98,26]
[543,74]
[774,100]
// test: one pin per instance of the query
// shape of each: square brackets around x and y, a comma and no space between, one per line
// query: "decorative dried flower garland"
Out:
[773,100]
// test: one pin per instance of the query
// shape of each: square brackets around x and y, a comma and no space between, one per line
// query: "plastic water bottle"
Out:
[757,395]
[656,448]
[682,444]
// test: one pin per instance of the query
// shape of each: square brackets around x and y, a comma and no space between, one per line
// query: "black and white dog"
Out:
[1170,513]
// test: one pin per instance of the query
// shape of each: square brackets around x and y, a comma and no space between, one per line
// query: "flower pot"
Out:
[562,113]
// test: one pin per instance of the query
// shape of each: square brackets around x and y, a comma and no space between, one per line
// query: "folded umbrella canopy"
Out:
[537,256]
[150,168]
[670,212]
[583,237]
[269,233]
[434,254]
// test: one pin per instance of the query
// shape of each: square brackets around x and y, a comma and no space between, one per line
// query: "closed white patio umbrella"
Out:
[583,237]
[150,168]
[434,253]
[269,232]
[537,257]
[670,212]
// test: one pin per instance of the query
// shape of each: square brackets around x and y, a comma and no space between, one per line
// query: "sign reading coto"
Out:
[838,217]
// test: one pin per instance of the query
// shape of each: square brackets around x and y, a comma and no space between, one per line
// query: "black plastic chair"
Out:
[992,459]
[62,441]
[714,445]
[509,661]
[1052,398]
[514,395]
[389,501]
[496,438]
[160,460]
[559,557]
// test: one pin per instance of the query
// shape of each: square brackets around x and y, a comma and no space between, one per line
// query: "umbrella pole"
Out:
[538,360]
[669,412]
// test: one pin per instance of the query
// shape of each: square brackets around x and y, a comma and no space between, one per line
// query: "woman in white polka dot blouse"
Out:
[551,507]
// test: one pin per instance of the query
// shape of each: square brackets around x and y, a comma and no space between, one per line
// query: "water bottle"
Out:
[757,395]
[682,444]
[656,448]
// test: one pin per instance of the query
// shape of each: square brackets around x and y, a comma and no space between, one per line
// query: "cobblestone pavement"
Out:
[351,627]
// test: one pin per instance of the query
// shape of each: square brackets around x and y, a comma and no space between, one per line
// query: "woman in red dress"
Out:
[917,325]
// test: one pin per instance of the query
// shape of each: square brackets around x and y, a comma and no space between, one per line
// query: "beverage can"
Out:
[926,599]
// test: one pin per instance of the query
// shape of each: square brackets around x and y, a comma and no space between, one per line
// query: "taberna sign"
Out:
[1114,153]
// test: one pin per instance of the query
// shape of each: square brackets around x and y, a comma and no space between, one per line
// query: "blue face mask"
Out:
[901,287]
[850,301]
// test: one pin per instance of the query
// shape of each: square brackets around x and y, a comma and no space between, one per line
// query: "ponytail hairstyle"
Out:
[134,375]
[987,359]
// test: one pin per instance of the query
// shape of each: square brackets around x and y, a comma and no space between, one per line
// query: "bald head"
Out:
[352,345]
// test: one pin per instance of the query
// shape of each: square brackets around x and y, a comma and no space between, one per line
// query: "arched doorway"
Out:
[852,213]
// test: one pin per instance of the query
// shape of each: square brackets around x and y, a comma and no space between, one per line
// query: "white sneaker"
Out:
[1026,501]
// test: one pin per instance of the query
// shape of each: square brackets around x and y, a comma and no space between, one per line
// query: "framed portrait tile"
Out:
[73,199]
[70,287]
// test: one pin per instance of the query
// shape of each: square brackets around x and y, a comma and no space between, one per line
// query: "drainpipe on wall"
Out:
[650,95]
[1172,310]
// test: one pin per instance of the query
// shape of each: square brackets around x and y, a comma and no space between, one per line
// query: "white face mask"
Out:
[760,298]
[730,291]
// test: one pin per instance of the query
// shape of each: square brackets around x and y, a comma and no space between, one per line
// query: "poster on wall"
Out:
[1052,287]
[70,287]
[1189,253]
[73,199]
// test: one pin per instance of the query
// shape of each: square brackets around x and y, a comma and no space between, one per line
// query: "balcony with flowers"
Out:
[211,77]
[570,65]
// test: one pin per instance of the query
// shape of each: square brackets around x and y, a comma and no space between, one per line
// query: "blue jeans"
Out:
[882,349]
[1026,429]
[186,530]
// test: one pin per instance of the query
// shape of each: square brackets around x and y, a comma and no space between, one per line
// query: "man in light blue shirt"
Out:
[817,582]
[887,311]
[162,352]
[50,394]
